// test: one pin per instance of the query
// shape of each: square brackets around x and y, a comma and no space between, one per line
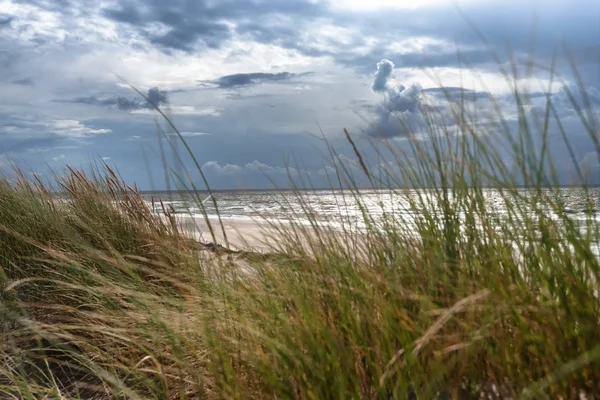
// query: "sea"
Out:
[337,207]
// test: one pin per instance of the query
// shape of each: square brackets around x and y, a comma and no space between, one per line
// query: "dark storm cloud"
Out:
[535,26]
[49,5]
[184,39]
[273,32]
[254,78]
[127,13]
[193,23]
[458,43]
[154,96]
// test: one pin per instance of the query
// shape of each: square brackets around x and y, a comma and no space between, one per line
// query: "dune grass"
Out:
[102,298]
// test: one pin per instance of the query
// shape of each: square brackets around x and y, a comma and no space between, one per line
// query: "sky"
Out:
[258,87]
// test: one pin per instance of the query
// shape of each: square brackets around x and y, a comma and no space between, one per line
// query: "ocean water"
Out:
[337,207]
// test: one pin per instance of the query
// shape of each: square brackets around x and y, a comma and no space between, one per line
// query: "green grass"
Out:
[100,297]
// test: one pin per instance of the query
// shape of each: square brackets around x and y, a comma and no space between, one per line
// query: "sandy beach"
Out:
[252,235]
[241,234]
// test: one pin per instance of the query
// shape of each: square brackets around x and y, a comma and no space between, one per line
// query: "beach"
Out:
[241,235]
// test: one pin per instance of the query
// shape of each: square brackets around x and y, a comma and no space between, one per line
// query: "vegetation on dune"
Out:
[102,298]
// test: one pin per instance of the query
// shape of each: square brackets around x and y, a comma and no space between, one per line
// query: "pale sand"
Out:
[255,236]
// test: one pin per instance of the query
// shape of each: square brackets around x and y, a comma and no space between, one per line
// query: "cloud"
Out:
[31,138]
[73,129]
[566,101]
[403,99]
[574,25]
[411,110]
[399,113]
[579,128]
[23,81]
[66,128]
[186,134]
[69,48]
[185,110]
[570,97]
[457,94]
[252,167]
[119,102]
[255,174]
[7,58]
[183,28]
[198,24]
[269,170]
[194,133]
[397,97]
[125,12]
[383,74]
[237,80]
[18,144]
[306,26]
[5,20]
[259,174]
[154,96]
[59,158]
[227,169]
